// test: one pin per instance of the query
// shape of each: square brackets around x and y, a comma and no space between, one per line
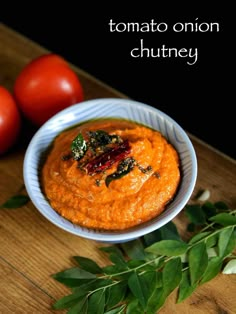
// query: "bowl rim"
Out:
[110,236]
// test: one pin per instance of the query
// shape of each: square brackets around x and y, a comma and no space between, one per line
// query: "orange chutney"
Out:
[86,198]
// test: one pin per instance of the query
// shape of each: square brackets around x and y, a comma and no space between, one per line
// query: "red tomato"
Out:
[10,120]
[46,86]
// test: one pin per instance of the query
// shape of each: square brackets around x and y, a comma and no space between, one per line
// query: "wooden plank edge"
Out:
[211,148]
[27,281]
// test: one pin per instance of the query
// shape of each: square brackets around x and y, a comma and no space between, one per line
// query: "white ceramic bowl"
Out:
[120,108]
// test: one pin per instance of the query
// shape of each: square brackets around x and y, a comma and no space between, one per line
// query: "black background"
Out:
[199,97]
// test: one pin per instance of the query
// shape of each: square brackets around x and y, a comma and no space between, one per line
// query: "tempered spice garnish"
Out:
[124,167]
[157,175]
[102,150]
[107,159]
[100,139]
[98,182]
[145,170]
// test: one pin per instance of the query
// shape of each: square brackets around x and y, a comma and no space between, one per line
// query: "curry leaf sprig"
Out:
[144,272]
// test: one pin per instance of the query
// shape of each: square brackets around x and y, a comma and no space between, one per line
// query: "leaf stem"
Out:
[213,223]
[212,234]
[110,276]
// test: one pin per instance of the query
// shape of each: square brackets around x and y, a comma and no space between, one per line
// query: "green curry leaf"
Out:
[185,287]
[124,167]
[78,147]
[168,248]
[88,264]
[198,260]
[224,219]
[16,201]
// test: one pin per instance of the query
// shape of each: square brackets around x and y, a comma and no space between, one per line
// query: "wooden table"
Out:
[32,248]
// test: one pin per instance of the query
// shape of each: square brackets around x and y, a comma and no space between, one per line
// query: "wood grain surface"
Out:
[32,248]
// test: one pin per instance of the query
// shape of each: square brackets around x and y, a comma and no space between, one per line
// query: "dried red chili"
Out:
[107,159]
